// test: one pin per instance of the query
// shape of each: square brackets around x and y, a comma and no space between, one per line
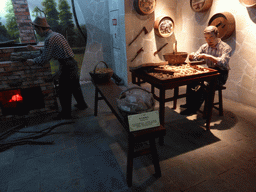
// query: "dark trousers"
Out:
[195,95]
[69,85]
[196,92]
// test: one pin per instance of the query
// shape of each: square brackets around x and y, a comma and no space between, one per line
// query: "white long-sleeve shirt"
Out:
[222,52]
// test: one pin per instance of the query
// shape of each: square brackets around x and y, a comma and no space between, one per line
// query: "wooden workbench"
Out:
[141,76]
[109,92]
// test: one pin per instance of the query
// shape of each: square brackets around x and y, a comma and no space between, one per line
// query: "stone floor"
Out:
[89,153]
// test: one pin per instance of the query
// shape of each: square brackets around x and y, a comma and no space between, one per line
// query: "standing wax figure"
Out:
[57,47]
[216,54]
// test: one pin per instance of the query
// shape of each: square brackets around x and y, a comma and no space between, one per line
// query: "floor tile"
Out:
[29,182]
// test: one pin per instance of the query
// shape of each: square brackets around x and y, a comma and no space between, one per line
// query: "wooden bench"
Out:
[110,92]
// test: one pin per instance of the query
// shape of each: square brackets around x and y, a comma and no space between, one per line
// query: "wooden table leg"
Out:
[133,79]
[139,81]
[162,112]
[209,102]
[155,157]
[176,93]
[96,99]
[161,139]
[152,89]
[130,157]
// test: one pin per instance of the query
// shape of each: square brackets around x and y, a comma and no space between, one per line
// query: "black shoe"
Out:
[184,106]
[188,112]
[81,107]
[61,117]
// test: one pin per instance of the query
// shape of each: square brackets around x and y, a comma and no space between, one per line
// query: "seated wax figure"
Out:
[216,54]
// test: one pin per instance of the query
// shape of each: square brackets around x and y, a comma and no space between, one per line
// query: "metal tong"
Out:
[143,29]
[160,49]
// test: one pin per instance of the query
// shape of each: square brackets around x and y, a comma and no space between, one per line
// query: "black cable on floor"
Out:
[29,139]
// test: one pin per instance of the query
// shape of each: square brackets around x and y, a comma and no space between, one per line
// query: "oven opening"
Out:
[21,101]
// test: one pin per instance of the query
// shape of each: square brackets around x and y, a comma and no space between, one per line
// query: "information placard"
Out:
[143,120]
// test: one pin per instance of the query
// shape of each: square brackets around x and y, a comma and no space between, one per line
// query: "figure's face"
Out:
[211,39]
[39,31]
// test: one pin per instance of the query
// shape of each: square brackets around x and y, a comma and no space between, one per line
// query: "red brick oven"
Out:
[24,89]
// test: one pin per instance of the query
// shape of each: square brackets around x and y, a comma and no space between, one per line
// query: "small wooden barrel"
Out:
[248,3]
[200,5]
[164,31]
[144,7]
[225,22]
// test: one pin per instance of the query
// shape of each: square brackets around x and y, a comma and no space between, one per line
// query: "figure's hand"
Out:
[56,76]
[191,56]
[203,56]
[31,48]
[29,62]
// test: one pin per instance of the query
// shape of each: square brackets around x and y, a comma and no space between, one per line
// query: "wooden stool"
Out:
[219,105]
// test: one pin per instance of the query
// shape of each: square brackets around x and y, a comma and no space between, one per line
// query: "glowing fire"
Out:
[16,98]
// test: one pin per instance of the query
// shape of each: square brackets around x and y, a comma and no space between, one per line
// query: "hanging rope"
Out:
[77,24]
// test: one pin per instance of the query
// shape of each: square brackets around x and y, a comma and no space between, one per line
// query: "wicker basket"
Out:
[176,58]
[102,75]
[144,103]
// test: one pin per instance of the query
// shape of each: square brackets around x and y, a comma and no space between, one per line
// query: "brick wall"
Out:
[5,54]
[23,21]
[19,75]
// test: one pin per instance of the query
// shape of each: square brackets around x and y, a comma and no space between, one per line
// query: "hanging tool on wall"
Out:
[138,52]
[160,49]
[143,29]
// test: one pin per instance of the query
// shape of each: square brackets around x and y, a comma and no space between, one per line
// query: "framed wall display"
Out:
[164,26]
[200,5]
[248,3]
[225,22]
[144,7]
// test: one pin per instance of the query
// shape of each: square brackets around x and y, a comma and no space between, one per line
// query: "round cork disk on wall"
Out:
[225,22]
[200,5]
[164,26]
[248,3]
[144,7]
